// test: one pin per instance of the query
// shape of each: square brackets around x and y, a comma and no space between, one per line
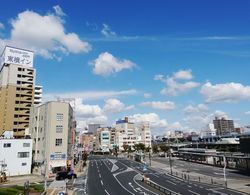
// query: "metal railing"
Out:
[160,188]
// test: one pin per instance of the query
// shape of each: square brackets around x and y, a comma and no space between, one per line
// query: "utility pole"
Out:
[170,162]
[224,170]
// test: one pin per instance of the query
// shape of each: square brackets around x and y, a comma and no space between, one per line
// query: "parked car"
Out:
[65,175]
[161,154]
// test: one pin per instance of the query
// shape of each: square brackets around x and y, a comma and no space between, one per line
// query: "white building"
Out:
[208,131]
[38,95]
[127,133]
[51,127]
[16,156]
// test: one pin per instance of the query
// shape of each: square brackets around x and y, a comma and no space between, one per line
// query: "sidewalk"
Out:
[20,180]
[61,186]
[236,184]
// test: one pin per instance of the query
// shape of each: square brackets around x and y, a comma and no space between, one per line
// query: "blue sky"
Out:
[177,64]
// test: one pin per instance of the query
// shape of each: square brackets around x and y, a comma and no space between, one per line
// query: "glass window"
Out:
[7,145]
[24,164]
[59,128]
[23,154]
[26,144]
[58,142]
[59,116]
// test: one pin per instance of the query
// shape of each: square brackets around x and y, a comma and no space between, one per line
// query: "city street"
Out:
[207,170]
[108,175]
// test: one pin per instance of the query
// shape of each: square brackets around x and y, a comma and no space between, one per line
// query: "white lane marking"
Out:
[101,182]
[132,186]
[142,186]
[193,192]
[74,181]
[171,182]
[107,192]
[189,186]
[123,186]
[100,175]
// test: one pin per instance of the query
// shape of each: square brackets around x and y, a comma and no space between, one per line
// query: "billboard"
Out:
[17,56]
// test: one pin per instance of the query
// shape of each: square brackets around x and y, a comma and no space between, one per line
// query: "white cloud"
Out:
[44,34]
[1,26]
[198,121]
[183,75]
[168,105]
[152,118]
[247,112]
[147,95]
[87,111]
[107,32]
[174,85]
[196,109]
[227,92]
[115,106]
[59,10]
[90,95]
[106,64]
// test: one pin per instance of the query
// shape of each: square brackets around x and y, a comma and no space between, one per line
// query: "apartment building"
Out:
[129,133]
[16,156]
[17,83]
[223,126]
[51,127]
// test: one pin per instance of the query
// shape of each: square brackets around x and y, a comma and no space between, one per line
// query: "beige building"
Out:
[17,83]
[51,127]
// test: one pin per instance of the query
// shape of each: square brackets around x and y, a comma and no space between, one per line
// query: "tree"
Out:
[155,149]
[164,148]
[125,147]
[139,147]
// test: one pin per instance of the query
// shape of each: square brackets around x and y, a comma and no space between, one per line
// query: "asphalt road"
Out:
[202,169]
[118,176]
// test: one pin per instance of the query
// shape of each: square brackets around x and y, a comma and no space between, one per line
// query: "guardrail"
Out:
[160,188]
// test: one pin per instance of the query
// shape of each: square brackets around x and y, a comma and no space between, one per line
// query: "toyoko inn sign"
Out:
[17,56]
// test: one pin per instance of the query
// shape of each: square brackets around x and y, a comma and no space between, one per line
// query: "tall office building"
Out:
[223,126]
[17,83]
[51,125]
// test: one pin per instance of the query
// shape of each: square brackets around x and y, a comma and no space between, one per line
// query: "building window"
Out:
[7,145]
[59,128]
[58,142]
[23,154]
[59,117]
[24,164]
[26,144]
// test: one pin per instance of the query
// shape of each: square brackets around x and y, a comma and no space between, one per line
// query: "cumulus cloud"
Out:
[107,32]
[44,34]
[86,114]
[177,83]
[87,111]
[147,95]
[247,112]
[106,64]
[1,26]
[167,105]
[154,120]
[196,109]
[197,121]
[183,75]
[114,106]
[59,10]
[226,92]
